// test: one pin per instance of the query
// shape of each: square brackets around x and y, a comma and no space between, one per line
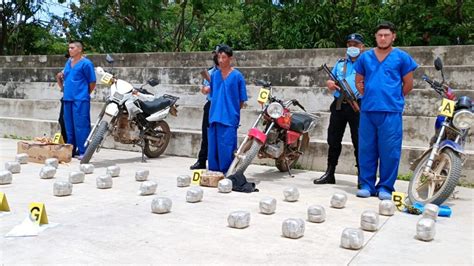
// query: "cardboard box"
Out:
[38,152]
[210,178]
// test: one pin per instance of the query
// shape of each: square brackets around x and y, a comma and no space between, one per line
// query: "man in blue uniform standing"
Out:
[384,77]
[202,156]
[79,81]
[228,93]
[341,111]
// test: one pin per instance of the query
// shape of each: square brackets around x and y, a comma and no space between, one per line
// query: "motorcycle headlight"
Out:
[275,110]
[463,119]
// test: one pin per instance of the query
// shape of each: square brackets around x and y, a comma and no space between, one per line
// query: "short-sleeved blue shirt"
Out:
[338,71]
[383,80]
[206,83]
[226,96]
[77,80]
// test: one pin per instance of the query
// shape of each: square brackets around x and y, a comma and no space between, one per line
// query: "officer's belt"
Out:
[339,101]
[342,98]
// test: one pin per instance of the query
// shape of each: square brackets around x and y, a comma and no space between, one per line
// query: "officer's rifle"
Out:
[344,88]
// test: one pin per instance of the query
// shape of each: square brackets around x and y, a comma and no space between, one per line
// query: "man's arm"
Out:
[91,87]
[360,83]
[242,91]
[407,83]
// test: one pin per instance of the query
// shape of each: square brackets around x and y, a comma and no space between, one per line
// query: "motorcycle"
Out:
[437,171]
[132,115]
[284,135]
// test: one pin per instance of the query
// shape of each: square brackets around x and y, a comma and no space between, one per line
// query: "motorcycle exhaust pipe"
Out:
[152,138]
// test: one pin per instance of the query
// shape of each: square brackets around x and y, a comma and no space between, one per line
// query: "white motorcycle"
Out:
[132,115]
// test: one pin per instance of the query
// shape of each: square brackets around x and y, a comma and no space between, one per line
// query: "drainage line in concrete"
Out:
[360,250]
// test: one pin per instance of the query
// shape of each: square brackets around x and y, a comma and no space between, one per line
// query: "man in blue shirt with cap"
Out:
[78,79]
[384,77]
[228,93]
[341,111]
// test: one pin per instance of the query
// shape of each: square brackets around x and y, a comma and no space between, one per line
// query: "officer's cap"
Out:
[356,37]
[216,48]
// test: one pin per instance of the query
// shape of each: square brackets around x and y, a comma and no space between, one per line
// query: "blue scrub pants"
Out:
[380,138]
[78,124]
[222,142]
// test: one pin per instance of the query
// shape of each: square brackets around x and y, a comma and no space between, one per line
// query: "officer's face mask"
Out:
[353,51]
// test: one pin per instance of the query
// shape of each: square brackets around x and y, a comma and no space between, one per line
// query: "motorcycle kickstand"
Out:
[289,170]
[142,145]
[143,155]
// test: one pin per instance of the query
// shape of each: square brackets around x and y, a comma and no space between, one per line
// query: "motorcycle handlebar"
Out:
[438,87]
[263,83]
[296,103]
[442,89]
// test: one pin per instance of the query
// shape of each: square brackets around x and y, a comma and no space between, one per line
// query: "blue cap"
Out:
[356,37]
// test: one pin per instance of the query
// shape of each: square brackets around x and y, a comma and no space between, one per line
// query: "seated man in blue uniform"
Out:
[384,77]
[79,81]
[227,94]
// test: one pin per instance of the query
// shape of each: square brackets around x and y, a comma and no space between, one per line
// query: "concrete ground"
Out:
[117,226]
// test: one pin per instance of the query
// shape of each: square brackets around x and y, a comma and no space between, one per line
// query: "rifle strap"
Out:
[341,97]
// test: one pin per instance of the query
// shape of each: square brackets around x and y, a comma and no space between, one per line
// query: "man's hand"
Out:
[60,76]
[60,80]
[205,90]
[331,84]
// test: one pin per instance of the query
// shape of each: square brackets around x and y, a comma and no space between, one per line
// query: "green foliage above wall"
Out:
[196,25]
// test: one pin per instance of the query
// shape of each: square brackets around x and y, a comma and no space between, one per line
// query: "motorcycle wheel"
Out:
[95,142]
[249,151]
[293,158]
[153,148]
[447,170]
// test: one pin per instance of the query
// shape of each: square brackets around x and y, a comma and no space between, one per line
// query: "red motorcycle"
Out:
[285,134]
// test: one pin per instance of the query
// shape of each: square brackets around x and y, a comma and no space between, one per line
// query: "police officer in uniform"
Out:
[341,111]
[205,89]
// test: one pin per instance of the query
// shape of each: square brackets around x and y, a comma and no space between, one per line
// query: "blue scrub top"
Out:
[206,83]
[383,80]
[337,70]
[77,80]
[226,96]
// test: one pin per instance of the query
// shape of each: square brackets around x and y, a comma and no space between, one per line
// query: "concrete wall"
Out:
[29,97]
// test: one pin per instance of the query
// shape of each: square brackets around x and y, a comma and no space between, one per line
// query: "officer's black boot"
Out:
[198,165]
[328,177]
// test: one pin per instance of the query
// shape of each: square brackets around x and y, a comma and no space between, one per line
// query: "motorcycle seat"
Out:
[300,122]
[150,107]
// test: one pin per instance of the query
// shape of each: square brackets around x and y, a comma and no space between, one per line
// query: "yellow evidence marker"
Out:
[447,107]
[58,138]
[4,203]
[196,177]
[263,95]
[399,199]
[38,213]
[107,79]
